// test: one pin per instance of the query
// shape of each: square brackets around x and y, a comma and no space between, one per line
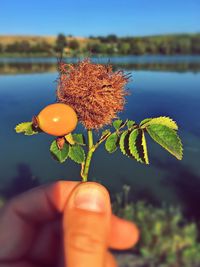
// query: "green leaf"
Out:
[117,124]
[167,138]
[132,144]
[77,153]
[26,128]
[112,143]
[130,123]
[59,155]
[105,132]
[144,145]
[160,120]
[137,146]
[145,121]
[79,139]
[69,138]
[122,143]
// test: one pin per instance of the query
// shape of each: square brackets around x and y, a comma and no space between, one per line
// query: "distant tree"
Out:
[112,38]
[123,48]
[74,44]
[91,37]
[184,46]
[102,39]
[42,47]
[195,44]
[174,46]
[164,48]
[151,47]
[10,48]
[1,48]
[24,46]
[94,48]
[20,47]
[137,48]
[111,49]
[60,43]
[98,48]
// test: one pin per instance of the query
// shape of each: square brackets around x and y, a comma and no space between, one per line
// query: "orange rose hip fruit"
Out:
[57,119]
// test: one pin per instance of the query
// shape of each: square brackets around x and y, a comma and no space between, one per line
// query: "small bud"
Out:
[35,122]
[60,141]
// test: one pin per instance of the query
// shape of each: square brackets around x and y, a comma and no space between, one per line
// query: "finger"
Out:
[123,234]
[47,245]
[19,218]
[110,260]
[47,201]
[86,226]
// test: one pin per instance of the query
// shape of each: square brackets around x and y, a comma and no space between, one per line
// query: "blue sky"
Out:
[92,17]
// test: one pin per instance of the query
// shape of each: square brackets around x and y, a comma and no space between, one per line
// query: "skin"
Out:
[65,224]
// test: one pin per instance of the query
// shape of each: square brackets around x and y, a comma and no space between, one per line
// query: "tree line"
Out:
[109,45]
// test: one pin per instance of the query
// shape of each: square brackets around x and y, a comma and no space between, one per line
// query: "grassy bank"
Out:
[167,238]
[102,45]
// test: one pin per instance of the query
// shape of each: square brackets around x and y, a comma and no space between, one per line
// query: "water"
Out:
[26,161]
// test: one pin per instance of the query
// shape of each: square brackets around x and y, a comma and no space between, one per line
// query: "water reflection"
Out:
[186,185]
[41,67]
[19,68]
[23,181]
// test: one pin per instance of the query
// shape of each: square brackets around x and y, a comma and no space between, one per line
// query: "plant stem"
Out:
[92,147]
[86,165]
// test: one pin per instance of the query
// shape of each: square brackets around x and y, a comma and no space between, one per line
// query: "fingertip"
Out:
[123,234]
[110,260]
[135,234]
[90,196]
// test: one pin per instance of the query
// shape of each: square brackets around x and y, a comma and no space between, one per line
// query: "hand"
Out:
[65,224]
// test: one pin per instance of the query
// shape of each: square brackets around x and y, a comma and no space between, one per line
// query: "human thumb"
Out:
[86,225]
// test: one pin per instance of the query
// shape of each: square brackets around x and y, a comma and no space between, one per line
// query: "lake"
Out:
[167,86]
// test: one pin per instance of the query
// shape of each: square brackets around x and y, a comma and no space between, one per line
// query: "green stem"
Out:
[86,165]
[92,147]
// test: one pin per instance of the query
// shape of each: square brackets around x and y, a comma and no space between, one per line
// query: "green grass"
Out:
[167,238]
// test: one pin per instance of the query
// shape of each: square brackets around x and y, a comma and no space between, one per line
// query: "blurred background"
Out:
[158,42]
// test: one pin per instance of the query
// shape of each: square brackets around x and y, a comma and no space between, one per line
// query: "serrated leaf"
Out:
[69,138]
[137,146]
[167,138]
[160,120]
[77,153]
[117,124]
[145,121]
[105,132]
[121,143]
[26,128]
[22,127]
[59,154]
[144,145]
[79,139]
[132,144]
[112,143]
[130,123]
